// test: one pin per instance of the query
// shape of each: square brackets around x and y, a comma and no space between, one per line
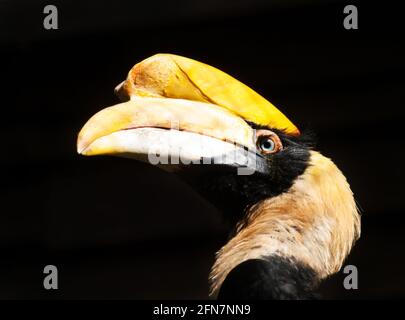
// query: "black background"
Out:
[116,228]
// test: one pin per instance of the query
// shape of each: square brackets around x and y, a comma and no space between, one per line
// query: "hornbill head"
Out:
[294,214]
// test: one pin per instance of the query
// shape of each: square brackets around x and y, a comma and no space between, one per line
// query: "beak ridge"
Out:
[183,115]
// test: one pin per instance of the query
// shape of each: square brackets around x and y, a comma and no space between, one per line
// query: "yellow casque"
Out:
[173,76]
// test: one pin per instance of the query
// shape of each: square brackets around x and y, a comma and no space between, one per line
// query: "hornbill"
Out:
[294,215]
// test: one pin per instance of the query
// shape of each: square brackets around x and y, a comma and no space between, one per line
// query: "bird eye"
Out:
[267,145]
[268,142]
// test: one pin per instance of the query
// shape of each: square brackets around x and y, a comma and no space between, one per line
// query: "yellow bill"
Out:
[172,76]
[178,114]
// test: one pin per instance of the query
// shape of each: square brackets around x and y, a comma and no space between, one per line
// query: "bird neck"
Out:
[273,278]
[315,223]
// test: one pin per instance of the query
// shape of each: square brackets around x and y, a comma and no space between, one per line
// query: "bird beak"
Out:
[182,110]
[161,130]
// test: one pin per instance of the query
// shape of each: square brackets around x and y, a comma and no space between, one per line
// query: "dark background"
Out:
[116,228]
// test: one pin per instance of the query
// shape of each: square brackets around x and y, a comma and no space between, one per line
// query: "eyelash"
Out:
[264,136]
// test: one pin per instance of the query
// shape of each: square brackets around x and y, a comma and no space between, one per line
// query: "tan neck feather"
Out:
[315,222]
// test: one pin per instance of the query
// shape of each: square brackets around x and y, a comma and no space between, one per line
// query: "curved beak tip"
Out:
[79,149]
[81,146]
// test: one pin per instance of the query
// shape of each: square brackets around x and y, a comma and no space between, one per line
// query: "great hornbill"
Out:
[295,219]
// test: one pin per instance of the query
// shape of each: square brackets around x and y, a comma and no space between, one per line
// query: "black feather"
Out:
[271,278]
[233,193]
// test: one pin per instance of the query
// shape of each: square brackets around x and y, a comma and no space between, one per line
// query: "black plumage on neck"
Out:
[271,278]
[234,194]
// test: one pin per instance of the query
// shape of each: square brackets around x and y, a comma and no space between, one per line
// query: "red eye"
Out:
[268,142]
